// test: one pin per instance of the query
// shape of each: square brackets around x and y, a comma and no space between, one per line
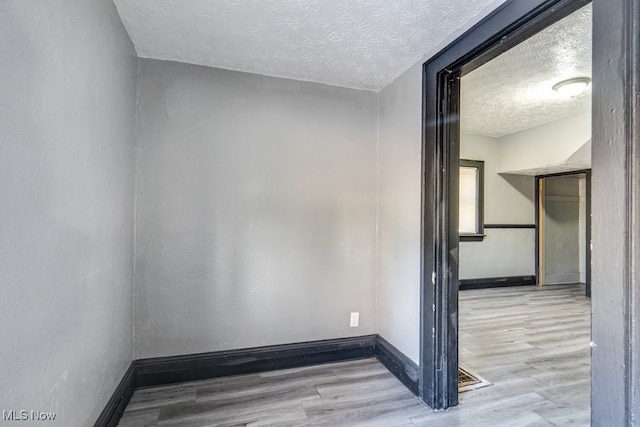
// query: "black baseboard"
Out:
[176,369]
[398,364]
[496,282]
[509,226]
[112,412]
[168,370]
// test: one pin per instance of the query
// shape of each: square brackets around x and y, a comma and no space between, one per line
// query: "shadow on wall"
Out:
[522,183]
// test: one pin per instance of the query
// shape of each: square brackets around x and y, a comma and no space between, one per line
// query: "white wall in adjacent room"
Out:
[508,199]
[549,148]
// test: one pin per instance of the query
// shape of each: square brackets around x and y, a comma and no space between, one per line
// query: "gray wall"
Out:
[508,199]
[400,124]
[615,285]
[67,114]
[256,219]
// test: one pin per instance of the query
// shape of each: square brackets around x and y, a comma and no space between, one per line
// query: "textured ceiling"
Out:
[513,92]
[364,44]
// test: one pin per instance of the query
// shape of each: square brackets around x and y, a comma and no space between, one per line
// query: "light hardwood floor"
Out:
[532,343]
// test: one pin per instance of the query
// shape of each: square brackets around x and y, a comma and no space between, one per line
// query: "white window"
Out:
[471,191]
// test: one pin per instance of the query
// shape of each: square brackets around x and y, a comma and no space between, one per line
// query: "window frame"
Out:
[479,235]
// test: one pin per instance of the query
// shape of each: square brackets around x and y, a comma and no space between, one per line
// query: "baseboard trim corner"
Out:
[191,367]
[112,412]
[405,369]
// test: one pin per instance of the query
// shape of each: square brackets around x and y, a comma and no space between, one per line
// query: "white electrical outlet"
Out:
[355,319]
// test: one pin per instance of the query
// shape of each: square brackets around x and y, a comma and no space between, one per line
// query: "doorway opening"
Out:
[522,223]
[615,360]
[563,233]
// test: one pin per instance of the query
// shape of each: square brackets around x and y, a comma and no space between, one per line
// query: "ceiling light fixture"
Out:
[572,87]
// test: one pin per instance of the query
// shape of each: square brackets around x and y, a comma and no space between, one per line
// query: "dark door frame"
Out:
[615,188]
[538,178]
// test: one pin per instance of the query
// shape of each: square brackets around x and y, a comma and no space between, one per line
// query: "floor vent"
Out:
[468,381]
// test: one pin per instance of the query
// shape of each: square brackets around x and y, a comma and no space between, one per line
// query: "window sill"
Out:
[472,237]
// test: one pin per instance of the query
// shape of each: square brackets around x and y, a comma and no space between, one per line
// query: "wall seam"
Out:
[135,214]
[377,238]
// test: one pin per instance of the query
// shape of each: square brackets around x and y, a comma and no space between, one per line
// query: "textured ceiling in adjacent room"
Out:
[363,44]
[513,92]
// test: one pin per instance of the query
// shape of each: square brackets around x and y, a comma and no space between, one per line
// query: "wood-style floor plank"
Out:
[532,343]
